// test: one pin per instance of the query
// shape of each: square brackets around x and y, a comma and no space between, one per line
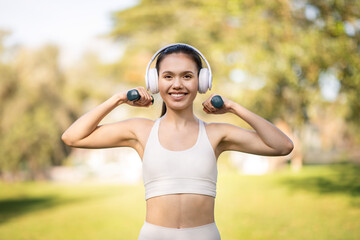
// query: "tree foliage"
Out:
[281,59]
[32,112]
[39,99]
[267,54]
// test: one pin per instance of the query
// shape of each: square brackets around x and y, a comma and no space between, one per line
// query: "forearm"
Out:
[268,133]
[88,122]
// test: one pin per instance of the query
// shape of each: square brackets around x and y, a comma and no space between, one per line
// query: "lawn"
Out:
[321,202]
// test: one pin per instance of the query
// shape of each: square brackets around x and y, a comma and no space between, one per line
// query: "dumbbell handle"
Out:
[217,101]
[133,95]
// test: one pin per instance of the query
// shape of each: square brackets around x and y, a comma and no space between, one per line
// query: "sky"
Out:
[74,26]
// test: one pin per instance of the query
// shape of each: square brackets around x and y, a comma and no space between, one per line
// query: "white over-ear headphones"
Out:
[151,75]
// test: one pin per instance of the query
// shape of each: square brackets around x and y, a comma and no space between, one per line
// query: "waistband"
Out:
[204,232]
[180,229]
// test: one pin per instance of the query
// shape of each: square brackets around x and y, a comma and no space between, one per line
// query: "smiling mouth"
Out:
[177,94]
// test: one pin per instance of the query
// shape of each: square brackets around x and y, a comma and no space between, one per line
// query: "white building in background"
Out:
[111,165]
[250,164]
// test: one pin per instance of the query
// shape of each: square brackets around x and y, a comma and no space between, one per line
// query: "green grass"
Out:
[321,202]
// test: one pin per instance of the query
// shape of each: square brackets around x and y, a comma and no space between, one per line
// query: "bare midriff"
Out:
[182,210]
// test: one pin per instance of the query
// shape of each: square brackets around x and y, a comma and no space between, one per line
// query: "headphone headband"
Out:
[174,44]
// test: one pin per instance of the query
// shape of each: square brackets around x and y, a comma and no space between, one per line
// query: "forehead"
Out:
[177,62]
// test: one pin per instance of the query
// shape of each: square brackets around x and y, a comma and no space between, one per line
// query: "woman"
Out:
[179,151]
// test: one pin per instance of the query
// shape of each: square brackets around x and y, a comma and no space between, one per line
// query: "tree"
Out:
[33,113]
[274,52]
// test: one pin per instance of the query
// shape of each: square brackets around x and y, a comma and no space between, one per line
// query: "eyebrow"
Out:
[181,72]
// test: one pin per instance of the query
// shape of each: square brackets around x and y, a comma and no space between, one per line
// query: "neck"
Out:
[180,118]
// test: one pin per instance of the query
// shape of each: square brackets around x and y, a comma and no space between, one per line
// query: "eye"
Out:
[188,76]
[167,76]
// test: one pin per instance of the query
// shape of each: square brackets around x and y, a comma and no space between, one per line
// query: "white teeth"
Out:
[177,95]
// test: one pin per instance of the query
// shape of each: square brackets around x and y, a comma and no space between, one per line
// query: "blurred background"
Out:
[294,62]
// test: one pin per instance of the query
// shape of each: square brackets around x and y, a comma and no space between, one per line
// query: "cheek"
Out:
[163,87]
[163,84]
[193,85]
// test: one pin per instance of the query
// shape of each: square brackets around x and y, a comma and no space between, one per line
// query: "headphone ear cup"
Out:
[153,80]
[203,80]
[210,81]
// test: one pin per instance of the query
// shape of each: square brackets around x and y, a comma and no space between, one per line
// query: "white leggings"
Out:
[155,232]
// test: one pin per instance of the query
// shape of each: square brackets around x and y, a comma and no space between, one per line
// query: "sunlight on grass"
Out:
[319,203]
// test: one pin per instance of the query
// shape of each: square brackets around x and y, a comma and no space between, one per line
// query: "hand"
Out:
[145,99]
[210,109]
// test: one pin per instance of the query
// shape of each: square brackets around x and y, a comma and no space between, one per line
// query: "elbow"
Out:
[287,149]
[65,138]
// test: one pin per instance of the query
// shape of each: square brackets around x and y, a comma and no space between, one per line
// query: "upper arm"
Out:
[243,140]
[118,134]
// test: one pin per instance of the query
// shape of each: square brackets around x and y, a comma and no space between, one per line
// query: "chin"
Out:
[178,106]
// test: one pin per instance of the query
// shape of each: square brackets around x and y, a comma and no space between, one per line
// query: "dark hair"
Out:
[177,49]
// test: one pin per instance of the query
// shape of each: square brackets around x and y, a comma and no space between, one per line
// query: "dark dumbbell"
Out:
[217,101]
[133,95]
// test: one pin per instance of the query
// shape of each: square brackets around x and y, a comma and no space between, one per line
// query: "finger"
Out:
[205,110]
[143,94]
[146,99]
[209,106]
[147,96]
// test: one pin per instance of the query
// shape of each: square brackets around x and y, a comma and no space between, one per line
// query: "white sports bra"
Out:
[193,170]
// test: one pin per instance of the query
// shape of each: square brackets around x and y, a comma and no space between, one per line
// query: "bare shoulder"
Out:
[216,129]
[144,121]
[141,128]
[135,128]
[226,131]
[140,125]
[221,127]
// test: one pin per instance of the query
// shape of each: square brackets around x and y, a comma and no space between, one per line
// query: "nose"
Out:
[177,82]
